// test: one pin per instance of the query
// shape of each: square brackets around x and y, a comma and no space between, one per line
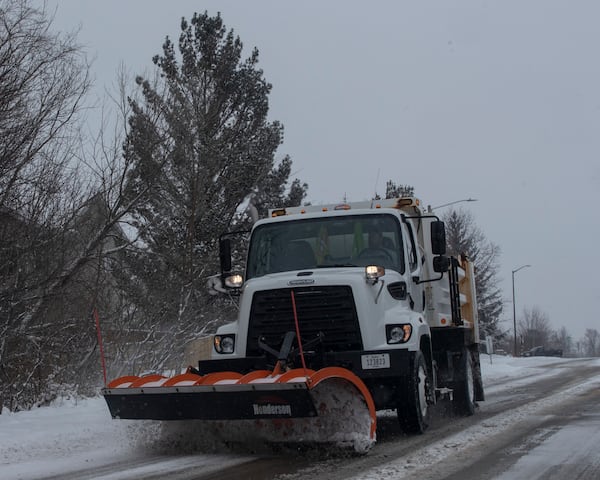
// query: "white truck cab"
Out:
[365,286]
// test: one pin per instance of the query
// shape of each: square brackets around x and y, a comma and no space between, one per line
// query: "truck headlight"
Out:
[234,281]
[224,343]
[398,333]
[373,272]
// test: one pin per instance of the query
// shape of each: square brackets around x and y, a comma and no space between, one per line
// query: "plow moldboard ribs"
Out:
[331,405]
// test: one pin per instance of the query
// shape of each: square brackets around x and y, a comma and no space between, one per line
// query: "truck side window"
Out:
[413,262]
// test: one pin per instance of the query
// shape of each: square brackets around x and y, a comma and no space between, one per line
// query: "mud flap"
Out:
[331,405]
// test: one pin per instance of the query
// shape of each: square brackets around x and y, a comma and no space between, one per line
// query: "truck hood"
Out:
[317,276]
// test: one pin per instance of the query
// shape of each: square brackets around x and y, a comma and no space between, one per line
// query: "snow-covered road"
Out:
[510,436]
[77,439]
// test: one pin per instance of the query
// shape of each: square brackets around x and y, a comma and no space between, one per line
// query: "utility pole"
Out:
[515,308]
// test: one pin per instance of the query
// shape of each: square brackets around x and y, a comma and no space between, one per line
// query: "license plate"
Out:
[375,360]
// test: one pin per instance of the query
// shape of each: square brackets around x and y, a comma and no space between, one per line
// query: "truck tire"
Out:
[464,389]
[412,405]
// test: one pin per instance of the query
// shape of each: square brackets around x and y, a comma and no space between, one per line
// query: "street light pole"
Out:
[431,209]
[514,307]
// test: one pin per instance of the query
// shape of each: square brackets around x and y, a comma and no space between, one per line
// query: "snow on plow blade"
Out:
[331,405]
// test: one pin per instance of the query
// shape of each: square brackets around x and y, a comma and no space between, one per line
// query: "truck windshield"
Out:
[356,240]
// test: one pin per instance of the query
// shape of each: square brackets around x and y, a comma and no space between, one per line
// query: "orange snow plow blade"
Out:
[331,405]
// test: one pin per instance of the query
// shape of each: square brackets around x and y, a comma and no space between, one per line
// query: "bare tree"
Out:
[43,82]
[562,340]
[591,342]
[534,328]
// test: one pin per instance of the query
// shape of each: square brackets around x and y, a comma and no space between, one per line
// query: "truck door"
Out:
[415,268]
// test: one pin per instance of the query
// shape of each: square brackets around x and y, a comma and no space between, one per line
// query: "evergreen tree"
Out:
[465,237]
[393,190]
[272,191]
[201,145]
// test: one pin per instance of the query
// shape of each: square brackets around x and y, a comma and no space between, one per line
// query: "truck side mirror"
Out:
[441,264]
[438,238]
[225,254]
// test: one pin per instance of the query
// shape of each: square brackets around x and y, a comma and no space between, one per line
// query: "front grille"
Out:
[329,310]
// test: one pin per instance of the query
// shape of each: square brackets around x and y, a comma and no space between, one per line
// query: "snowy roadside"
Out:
[71,435]
[501,368]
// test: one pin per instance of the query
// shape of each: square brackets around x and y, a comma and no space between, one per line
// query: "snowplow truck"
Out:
[344,310]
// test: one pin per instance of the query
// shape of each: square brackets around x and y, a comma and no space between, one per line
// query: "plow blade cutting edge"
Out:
[331,405]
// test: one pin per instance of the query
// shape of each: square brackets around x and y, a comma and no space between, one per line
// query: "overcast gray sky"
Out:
[494,100]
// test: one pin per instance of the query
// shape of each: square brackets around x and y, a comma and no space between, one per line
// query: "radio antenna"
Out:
[376,182]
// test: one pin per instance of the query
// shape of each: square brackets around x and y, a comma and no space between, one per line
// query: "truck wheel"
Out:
[412,407]
[464,389]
